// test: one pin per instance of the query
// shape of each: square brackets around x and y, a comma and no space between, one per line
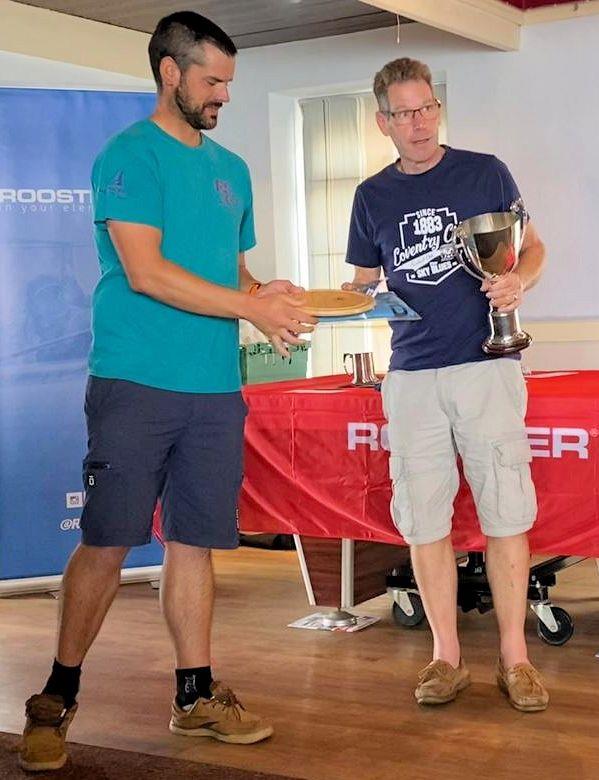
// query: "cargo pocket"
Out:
[515,492]
[105,499]
[402,512]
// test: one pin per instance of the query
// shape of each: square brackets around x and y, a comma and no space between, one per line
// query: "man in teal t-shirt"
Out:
[199,198]
[173,218]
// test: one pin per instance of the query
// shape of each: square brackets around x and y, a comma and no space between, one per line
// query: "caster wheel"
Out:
[565,628]
[403,618]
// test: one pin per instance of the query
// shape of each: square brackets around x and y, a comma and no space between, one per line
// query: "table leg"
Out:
[304,570]
[337,618]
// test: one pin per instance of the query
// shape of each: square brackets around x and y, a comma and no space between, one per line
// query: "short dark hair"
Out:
[177,34]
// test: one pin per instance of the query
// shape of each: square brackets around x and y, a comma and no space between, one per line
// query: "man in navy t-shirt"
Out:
[443,395]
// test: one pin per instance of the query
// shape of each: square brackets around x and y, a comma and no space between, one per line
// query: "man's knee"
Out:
[180,550]
[104,557]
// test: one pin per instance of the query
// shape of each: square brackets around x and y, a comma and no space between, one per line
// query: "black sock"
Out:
[193,683]
[64,681]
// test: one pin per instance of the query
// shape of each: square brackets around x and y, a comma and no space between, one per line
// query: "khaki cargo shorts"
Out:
[475,410]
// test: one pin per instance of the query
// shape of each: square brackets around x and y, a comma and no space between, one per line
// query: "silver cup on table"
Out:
[362,369]
[488,246]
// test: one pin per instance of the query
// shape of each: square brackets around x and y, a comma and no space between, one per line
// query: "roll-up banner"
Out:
[48,142]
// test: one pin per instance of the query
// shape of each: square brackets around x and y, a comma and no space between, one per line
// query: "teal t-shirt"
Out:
[201,200]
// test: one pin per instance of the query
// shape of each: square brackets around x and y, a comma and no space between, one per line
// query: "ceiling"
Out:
[125,23]
[248,22]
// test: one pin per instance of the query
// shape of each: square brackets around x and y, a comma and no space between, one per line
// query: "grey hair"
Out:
[395,72]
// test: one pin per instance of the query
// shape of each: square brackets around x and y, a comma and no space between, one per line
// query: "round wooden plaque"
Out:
[336,303]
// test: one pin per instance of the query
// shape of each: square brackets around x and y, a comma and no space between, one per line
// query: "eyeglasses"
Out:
[407,115]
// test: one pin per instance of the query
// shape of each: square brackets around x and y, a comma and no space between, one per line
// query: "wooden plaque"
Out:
[336,303]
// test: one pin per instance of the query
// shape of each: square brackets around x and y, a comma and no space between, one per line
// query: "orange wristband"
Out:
[254,287]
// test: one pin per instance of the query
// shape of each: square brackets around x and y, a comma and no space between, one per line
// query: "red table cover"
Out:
[316,463]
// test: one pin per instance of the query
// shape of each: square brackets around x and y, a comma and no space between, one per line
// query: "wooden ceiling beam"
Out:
[490,22]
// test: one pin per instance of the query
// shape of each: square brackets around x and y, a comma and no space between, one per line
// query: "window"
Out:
[342,146]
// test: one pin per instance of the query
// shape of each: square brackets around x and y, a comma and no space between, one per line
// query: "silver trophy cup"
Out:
[362,369]
[488,246]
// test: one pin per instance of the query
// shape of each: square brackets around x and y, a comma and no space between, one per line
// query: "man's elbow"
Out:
[143,277]
[137,282]
[534,264]
[542,253]
[141,283]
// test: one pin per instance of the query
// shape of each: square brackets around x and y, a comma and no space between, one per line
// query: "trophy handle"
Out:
[519,209]
[345,356]
[454,244]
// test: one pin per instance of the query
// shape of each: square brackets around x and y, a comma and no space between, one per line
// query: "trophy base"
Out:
[506,335]
[363,385]
[517,344]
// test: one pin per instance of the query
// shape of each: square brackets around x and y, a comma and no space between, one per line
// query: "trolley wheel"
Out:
[565,628]
[410,621]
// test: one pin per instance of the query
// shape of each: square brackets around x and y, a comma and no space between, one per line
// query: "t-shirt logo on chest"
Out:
[424,236]
[225,192]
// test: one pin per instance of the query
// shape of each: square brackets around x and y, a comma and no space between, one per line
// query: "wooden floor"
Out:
[343,704]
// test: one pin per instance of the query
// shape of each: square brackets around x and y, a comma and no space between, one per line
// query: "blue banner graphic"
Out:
[48,141]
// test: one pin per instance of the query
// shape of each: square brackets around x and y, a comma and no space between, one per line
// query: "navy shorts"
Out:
[145,443]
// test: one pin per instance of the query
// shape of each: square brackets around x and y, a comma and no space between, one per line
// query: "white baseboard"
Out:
[48,584]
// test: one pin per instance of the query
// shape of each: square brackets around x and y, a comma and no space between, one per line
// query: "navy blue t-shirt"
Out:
[400,222]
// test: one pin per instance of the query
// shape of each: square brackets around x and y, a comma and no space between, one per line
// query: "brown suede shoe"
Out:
[221,717]
[440,682]
[42,746]
[523,686]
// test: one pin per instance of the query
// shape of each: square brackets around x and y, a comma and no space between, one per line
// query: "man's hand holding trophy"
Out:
[488,246]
